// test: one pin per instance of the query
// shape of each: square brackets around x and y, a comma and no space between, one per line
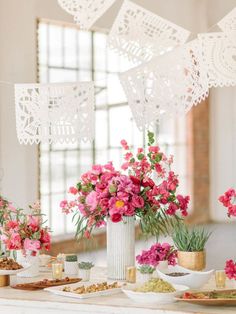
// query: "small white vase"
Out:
[120,247]
[71,268]
[33,270]
[84,274]
[142,278]
[162,266]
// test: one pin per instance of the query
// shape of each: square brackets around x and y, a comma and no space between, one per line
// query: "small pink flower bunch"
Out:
[158,252]
[25,232]
[230,269]
[228,200]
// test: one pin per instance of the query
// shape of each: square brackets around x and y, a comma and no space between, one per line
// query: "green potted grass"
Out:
[145,273]
[84,270]
[190,244]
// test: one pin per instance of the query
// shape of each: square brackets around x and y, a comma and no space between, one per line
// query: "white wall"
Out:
[18,64]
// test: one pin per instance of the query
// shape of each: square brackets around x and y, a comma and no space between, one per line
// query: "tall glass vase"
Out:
[120,247]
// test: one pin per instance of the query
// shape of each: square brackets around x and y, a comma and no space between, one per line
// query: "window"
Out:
[66,54]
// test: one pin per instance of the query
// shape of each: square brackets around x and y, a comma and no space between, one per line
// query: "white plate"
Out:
[4,272]
[59,291]
[194,279]
[153,297]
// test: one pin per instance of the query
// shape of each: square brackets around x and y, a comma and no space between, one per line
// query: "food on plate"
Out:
[177,274]
[227,294]
[92,288]
[9,264]
[156,285]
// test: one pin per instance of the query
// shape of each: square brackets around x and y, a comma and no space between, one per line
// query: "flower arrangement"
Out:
[86,265]
[189,240]
[158,252]
[146,269]
[106,193]
[25,231]
[228,199]
[6,209]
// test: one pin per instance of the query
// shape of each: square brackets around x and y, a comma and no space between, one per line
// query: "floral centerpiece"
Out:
[25,234]
[228,199]
[145,188]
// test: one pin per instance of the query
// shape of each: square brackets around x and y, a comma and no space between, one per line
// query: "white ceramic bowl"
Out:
[153,297]
[194,279]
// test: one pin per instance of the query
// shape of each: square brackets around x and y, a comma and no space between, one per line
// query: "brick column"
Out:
[198,162]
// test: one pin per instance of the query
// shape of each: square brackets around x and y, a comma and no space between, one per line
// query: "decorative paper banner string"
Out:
[86,12]
[166,85]
[53,113]
[219,57]
[140,34]
[228,23]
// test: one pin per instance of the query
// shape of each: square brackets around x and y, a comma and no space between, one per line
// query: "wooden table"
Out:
[40,302]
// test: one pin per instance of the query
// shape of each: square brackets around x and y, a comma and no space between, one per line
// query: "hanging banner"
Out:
[166,85]
[52,113]
[86,12]
[219,58]
[140,34]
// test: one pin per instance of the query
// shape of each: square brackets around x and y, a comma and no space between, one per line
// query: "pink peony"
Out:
[32,245]
[92,200]
[137,201]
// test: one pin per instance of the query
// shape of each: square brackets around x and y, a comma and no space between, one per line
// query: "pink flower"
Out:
[125,166]
[230,269]
[32,245]
[33,223]
[87,234]
[128,156]
[124,144]
[12,225]
[172,209]
[92,200]
[153,149]
[137,201]
[116,217]
[64,204]
[97,169]
[109,166]
[73,190]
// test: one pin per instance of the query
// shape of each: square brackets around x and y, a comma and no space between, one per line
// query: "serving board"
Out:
[39,285]
[211,301]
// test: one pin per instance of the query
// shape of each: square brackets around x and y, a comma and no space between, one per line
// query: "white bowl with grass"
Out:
[193,279]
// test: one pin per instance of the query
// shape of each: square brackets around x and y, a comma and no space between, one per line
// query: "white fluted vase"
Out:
[33,270]
[120,247]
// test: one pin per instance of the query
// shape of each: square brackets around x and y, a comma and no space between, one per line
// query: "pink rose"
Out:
[137,201]
[32,245]
[116,217]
